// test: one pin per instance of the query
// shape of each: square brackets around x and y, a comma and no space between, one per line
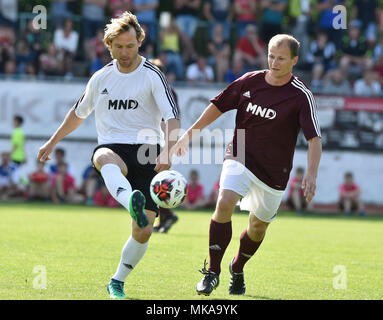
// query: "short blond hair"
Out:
[291,42]
[120,25]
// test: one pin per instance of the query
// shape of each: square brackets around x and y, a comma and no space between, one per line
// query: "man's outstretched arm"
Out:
[70,123]
[313,157]
[210,114]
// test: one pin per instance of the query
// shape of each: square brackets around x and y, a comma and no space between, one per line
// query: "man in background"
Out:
[18,141]
[296,199]
[350,196]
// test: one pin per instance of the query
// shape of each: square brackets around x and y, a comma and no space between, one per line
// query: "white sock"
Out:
[132,253]
[117,185]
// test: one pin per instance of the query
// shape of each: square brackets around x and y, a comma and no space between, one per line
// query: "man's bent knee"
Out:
[105,156]
[226,203]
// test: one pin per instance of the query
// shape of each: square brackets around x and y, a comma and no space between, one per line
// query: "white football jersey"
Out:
[128,106]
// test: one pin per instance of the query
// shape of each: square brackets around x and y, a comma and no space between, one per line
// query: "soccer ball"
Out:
[168,189]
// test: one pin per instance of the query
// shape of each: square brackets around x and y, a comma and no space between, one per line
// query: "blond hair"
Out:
[120,25]
[291,42]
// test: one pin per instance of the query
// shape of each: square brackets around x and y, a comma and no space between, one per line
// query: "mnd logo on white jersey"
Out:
[262,112]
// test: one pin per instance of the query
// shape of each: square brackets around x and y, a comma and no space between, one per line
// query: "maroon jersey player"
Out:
[272,107]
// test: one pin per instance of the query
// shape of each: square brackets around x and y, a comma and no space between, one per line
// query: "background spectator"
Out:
[272,14]
[170,44]
[296,200]
[219,50]
[186,13]
[93,19]
[118,7]
[145,10]
[18,141]
[38,183]
[100,62]
[63,188]
[326,17]
[367,12]
[199,72]
[235,72]
[23,56]
[367,86]
[66,41]
[91,182]
[59,159]
[337,84]
[300,18]
[102,198]
[195,196]
[9,178]
[349,193]
[219,11]
[354,48]
[60,11]
[35,40]
[50,62]
[251,50]
[245,12]
[321,57]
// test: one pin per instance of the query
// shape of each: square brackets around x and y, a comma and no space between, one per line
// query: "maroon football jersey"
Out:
[271,117]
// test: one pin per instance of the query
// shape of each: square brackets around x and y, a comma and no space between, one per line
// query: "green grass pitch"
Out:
[79,248]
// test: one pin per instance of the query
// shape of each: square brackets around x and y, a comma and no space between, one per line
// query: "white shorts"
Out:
[258,198]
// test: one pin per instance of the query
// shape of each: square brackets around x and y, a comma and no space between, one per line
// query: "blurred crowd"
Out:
[204,41]
[55,182]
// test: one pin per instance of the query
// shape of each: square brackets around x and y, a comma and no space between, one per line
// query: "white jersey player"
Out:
[129,96]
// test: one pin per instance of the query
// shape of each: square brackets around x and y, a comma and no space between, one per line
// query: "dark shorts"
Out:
[140,173]
[354,205]
[291,205]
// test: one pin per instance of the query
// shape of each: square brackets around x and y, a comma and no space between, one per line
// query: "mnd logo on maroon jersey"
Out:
[262,112]
[271,117]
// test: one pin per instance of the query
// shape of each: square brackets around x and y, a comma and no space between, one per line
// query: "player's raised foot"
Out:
[116,289]
[168,223]
[237,282]
[137,208]
[209,282]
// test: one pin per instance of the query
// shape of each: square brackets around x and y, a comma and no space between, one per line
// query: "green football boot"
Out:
[116,289]
[137,203]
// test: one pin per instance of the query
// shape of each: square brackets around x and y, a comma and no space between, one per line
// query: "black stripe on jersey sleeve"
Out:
[78,101]
[169,93]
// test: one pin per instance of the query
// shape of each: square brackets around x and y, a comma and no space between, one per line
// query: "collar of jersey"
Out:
[130,73]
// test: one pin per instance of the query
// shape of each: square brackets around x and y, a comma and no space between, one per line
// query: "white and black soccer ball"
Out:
[168,189]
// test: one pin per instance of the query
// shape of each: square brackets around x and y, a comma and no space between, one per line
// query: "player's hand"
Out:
[181,147]
[309,187]
[163,161]
[44,151]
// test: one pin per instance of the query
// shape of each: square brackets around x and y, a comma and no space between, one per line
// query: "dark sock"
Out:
[164,215]
[247,248]
[219,239]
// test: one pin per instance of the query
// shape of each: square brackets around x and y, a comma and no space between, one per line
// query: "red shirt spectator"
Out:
[244,45]
[68,182]
[103,198]
[39,177]
[245,10]
[344,188]
[194,192]
[295,183]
